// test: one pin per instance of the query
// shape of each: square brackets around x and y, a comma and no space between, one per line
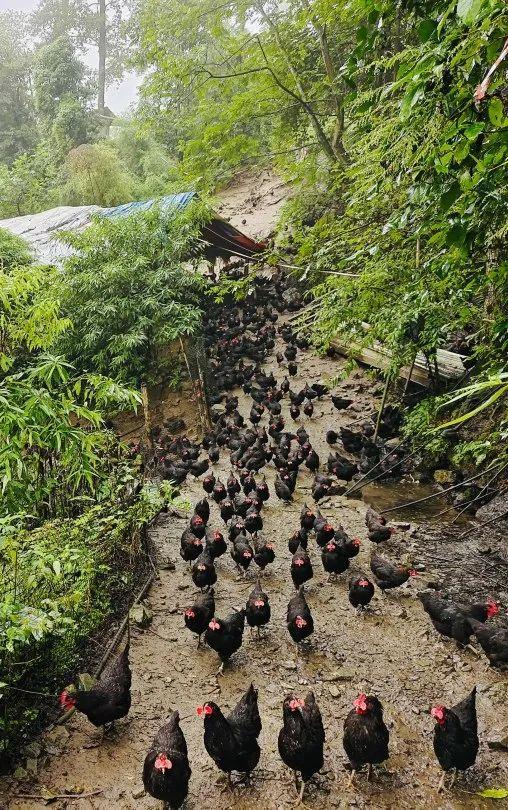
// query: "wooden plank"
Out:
[450,365]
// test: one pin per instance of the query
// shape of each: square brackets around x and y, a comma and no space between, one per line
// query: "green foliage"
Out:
[96,176]
[13,251]
[128,294]
[490,392]
[60,582]
[17,119]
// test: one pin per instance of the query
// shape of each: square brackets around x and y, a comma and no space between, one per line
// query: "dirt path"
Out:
[391,651]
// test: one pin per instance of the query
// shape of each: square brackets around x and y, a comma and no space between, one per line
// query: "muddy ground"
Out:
[391,651]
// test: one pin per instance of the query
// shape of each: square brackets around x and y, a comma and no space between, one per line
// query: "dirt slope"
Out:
[253,202]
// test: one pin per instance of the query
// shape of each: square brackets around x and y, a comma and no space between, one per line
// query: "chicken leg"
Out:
[351,778]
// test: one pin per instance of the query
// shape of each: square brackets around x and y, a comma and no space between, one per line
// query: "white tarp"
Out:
[39,230]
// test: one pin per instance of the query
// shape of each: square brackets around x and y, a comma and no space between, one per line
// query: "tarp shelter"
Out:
[220,238]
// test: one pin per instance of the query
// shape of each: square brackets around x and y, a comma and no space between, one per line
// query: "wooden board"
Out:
[450,365]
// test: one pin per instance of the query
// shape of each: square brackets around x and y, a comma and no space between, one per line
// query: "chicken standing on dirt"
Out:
[299,619]
[361,591]
[456,736]
[301,567]
[232,741]
[200,614]
[365,734]
[225,636]
[389,575]
[446,617]
[258,608]
[109,699]
[166,771]
[494,643]
[376,524]
[301,739]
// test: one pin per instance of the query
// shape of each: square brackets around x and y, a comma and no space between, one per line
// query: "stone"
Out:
[444,476]
[334,690]
[498,744]
[33,749]
[138,793]
[31,765]
[141,615]
[291,665]
[20,774]
[57,735]
[342,674]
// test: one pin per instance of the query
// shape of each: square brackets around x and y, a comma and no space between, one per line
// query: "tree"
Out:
[100,24]
[127,292]
[18,131]
[95,176]
[58,75]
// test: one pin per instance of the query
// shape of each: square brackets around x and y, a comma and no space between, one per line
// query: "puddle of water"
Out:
[388,495]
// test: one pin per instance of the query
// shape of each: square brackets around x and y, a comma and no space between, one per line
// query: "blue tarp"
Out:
[172,201]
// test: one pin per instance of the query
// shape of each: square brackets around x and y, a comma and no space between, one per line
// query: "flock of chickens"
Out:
[239,339]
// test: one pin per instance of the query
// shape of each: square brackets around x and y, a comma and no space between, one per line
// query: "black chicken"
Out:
[190,546]
[456,736]
[264,553]
[299,619]
[197,526]
[202,509]
[446,617]
[209,483]
[307,518]
[258,608]
[301,567]
[242,553]
[494,643]
[301,739]
[200,613]
[376,524]
[299,538]
[282,490]
[225,636]
[335,559]
[361,591]
[232,741]
[109,699]
[389,575]
[215,543]
[341,402]
[204,574]
[166,771]
[365,734]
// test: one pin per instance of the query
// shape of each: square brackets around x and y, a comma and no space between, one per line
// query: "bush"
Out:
[60,583]
[128,292]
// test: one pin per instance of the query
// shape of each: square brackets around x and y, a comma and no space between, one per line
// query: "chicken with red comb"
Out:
[301,739]
[456,736]
[365,734]
[166,770]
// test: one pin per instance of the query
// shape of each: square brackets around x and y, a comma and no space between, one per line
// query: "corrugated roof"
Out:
[171,201]
[39,230]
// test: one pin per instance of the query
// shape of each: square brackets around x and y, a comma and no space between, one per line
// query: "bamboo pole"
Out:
[146,415]
[381,409]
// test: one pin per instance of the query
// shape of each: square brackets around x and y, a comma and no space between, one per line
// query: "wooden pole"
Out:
[381,409]
[146,414]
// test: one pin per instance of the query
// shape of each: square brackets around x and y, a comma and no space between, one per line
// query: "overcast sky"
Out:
[118,96]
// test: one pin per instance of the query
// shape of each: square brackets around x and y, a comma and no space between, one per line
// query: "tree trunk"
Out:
[316,124]
[337,142]
[101,80]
